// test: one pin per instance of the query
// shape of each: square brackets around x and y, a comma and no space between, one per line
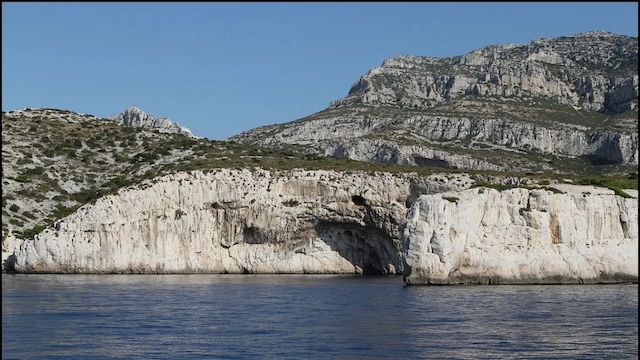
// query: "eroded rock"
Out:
[520,236]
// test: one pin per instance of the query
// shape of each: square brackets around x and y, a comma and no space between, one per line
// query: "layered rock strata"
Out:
[595,70]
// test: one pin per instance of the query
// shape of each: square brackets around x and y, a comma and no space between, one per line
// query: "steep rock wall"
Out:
[520,236]
[238,221]
[334,136]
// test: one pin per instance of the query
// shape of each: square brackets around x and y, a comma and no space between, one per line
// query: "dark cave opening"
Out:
[359,200]
[368,248]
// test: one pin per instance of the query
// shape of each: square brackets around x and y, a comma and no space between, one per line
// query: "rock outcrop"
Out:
[433,230]
[520,236]
[238,221]
[594,71]
[135,117]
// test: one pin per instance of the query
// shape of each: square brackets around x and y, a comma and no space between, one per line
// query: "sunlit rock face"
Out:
[595,70]
[495,108]
[520,236]
[238,221]
[135,117]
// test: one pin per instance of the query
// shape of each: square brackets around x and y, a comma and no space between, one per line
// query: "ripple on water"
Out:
[310,317]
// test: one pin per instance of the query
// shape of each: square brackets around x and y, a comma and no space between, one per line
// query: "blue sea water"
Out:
[310,317]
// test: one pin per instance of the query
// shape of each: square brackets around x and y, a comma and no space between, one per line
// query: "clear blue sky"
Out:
[224,68]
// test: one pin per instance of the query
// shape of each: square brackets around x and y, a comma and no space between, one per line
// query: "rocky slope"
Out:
[482,236]
[135,117]
[563,104]
[237,221]
[55,160]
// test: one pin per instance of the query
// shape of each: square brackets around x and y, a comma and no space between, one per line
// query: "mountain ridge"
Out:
[566,103]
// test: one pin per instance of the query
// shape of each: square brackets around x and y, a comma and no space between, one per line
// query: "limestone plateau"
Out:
[558,104]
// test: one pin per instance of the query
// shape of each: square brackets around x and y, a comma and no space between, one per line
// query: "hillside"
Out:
[566,105]
[54,161]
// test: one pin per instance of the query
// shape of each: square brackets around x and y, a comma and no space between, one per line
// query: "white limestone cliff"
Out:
[480,236]
[135,117]
[238,221]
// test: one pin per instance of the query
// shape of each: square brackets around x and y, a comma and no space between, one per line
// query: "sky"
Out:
[222,68]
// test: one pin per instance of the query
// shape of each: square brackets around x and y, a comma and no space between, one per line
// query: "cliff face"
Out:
[230,221]
[433,230]
[500,107]
[521,236]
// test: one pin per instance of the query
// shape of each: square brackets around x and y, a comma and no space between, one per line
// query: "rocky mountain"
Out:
[135,117]
[566,104]
[56,160]
[495,196]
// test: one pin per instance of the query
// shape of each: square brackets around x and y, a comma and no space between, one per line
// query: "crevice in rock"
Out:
[8,265]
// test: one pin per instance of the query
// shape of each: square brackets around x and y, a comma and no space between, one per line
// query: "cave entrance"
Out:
[368,248]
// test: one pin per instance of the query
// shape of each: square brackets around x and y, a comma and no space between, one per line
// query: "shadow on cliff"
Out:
[368,248]
[598,160]
[9,264]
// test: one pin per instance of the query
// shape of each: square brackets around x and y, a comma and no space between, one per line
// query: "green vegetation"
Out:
[628,182]
[291,203]
[452,199]
[179,214]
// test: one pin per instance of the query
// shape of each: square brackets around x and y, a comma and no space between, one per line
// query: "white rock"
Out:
[238,221]
[135,117]
[521,236]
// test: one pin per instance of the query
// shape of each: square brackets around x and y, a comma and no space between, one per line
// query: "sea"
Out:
[310,317]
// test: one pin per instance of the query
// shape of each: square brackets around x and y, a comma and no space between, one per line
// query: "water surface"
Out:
[310,317]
